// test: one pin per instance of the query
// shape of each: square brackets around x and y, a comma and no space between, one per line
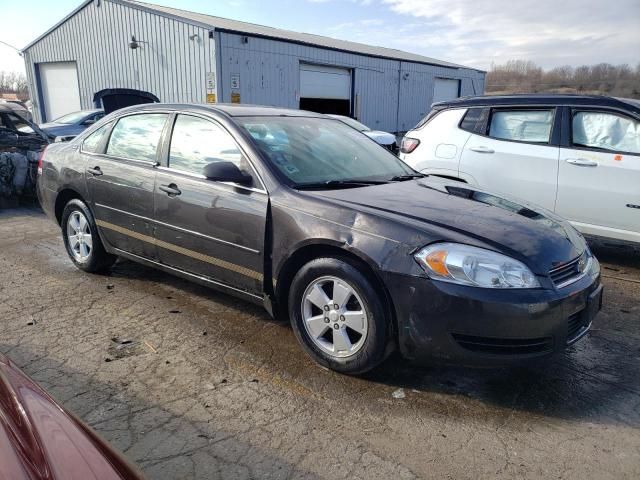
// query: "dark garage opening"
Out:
[326,105]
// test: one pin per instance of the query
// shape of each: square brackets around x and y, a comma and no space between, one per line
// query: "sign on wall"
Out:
[235,81]
[211,80]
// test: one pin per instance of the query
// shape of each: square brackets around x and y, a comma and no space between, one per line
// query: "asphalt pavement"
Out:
[191,383]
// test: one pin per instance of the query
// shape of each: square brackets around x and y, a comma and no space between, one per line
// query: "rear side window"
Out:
[197,142]
[136,137]
[606,131]
[522,125]
[93,142]
[474,120]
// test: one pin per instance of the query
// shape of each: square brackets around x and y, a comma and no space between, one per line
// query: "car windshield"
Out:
[320,152]
[71,118]
[352,123]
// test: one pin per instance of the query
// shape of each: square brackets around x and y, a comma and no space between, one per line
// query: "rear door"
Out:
[599,177]
[120,176]
[517,154]
[211,229]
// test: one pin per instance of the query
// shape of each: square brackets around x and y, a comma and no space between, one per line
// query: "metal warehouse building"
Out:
[181,56]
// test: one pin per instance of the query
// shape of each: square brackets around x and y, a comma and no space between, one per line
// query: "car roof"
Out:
[541,99]
[11,107]
[231,110]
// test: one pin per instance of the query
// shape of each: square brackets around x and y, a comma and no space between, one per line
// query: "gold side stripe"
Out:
[182,251]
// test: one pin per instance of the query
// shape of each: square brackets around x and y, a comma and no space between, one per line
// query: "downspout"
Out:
[398,98]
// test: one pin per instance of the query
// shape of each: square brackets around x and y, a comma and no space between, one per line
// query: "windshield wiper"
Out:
[409,176]
[339,184]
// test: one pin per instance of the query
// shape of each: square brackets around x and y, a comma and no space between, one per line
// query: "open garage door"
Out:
[325,89]
[445,89]
[59,88]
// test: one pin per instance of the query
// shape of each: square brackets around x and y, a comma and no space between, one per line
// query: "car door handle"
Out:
[482,149]
[581,162]
[95,171]
[172,189]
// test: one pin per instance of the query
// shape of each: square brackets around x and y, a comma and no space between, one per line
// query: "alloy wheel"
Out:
[79,236]
[334,316]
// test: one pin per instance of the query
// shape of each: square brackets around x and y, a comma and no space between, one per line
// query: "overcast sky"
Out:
[470,32]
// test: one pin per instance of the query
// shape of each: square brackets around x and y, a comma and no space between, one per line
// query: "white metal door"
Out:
[320,81]
[445,89]
[520,170]
[59,87]
[599,180]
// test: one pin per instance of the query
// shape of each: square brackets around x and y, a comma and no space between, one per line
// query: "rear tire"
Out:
[81,239]
[338,317]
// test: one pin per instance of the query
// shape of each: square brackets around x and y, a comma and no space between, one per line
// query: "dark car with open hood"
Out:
[306,216]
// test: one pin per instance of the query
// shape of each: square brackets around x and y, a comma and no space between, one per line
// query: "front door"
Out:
[120,176]
[599,177]
[516,156]
[211,229]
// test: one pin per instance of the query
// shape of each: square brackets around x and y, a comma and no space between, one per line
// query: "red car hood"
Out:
[40,440]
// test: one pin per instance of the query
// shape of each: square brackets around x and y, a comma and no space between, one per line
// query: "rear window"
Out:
[136,137]
[473,120]
[92,143]
[522,125]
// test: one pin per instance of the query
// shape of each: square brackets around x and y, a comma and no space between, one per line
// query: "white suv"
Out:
[576,155]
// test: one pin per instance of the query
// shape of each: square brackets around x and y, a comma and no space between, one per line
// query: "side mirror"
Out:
[223,171]
[89,121]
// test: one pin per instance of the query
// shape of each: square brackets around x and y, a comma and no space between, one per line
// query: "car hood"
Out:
[40,440]
[455,211]
[383,138]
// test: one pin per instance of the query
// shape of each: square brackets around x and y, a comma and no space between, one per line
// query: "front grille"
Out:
[568,272]
[576,326]
[504,346]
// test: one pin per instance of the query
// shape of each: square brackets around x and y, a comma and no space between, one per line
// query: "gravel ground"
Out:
[211,387]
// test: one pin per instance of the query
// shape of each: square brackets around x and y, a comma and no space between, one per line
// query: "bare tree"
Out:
[520,76]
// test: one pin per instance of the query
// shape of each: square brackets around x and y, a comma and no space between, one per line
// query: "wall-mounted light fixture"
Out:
[133,44]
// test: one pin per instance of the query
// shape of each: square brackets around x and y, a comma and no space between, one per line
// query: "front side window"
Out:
[522,125]
[92,143]
[606,131]
[319,151]
[197,142]
[136,137]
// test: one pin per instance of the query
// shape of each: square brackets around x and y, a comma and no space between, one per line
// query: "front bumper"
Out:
[458,324]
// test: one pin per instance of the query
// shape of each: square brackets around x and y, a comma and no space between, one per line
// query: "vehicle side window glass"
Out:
[473,120]
[197,142]
[137,136]
[606,131]
[522,125]
[92,143]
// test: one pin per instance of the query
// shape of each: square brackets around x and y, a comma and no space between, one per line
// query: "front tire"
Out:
[81,239]
[338,316]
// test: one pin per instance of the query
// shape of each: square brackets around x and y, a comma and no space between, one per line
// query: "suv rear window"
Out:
[522,125]
[473,120]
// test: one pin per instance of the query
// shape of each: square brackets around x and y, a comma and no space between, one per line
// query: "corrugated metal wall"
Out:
[393,95]
[169,64]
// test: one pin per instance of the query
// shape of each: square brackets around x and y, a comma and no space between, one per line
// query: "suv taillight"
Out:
[409,144]
[40,159]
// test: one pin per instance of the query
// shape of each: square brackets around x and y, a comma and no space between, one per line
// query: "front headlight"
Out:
[467,265]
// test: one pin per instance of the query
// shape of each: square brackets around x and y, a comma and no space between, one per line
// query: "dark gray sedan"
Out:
[306,216]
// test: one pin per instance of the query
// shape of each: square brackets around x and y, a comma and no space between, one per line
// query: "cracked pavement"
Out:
[190,383]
